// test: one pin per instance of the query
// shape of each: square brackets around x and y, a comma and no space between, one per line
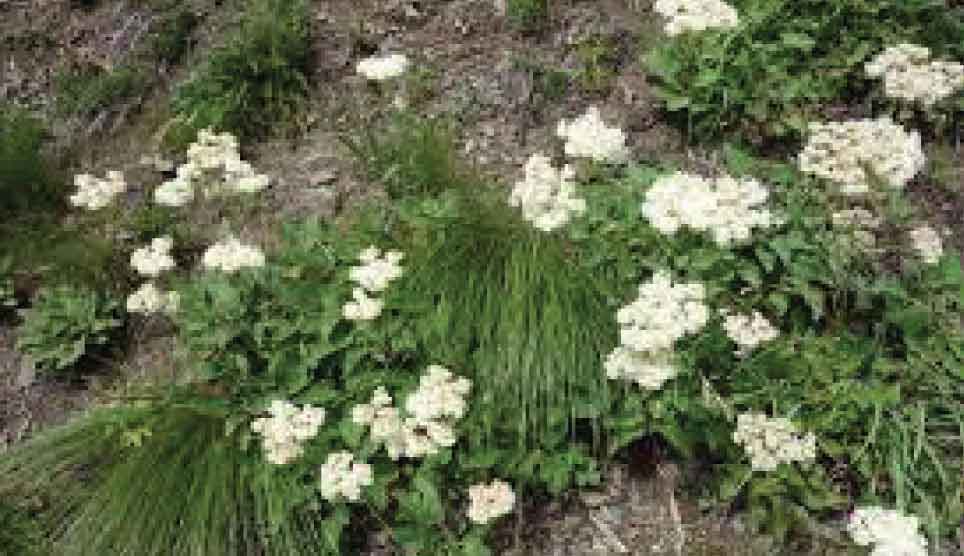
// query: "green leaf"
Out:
[797,40]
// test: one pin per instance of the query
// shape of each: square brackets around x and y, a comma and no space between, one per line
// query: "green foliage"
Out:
[26,183]
[413,156]
[867,360]
[787,60]
[254,84]
[99,483]
[63,324]
[527,15]
[20,535]
[172,37]
[538,330]
[85,91]
[597,57]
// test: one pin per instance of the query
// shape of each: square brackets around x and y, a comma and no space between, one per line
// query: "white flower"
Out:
[209,154]
[588,136]
[341,478]
[429,418]
[728,208]
[861,223]
[231,255]
[489,501]
[662,314]
[893,533]
[148,299]
[695,15]
[174,193]
[376,272]
[648,370]
[910,75]
[440,395]
[93,193]
[749,331]
[382,68]
[838,151]
[546,195]
[770,442]
[363,307]
[286,429]
[154,258]
[927,243]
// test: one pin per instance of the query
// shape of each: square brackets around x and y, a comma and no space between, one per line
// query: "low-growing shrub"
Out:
[64,324]
[789,60]
[253,85]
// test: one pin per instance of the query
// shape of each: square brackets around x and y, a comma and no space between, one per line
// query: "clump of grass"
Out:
[255,84]
[84,91]
[172,38]
[25,180]
[412,156]
[160,479]
[506,302]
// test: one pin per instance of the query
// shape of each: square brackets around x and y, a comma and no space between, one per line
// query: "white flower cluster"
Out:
[429,418]
[211,152]
[695,15]
[838,151]
[93,193]
[490,501]
[927,243]
[382,68]
[589,137]
[650,326]
[546,194]
[647,370]
[728,208]
[373,275]
[770,442]
[860,222]
[154,258]
[910,75]
[891,532]
[749,331]
[148,299]
[231,255]
[342,478]
[663,313]
[151,261]
[286,430]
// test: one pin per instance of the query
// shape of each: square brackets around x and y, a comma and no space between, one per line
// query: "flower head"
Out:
[589,137]
[490,501]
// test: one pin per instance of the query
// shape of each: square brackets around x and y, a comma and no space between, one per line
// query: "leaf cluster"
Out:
[64,323]
[789,60]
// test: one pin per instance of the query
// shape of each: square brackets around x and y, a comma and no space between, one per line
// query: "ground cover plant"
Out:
[784,63]
[425,362]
